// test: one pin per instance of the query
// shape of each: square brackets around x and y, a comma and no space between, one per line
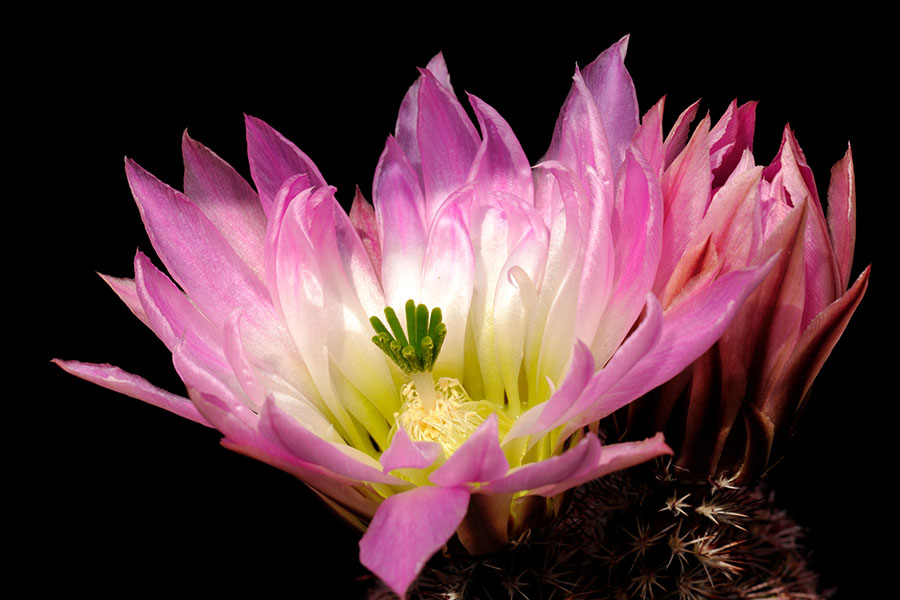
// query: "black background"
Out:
[116,496]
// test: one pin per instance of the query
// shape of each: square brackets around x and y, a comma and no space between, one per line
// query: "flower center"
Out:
[440,411]
[452,420]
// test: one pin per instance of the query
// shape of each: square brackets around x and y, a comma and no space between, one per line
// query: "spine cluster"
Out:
[639,534]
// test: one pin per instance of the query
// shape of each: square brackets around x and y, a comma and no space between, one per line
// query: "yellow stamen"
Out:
[452,420]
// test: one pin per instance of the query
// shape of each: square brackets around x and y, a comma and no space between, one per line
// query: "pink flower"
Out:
[722,212]
[547,317]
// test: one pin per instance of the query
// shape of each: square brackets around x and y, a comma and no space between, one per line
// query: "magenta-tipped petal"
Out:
[451,289]
[678,136]
[172,316]
[408,529]
[500,164]
[447,141]
[208,269]
[613,91]
[648,138]
[226,199]
[116,379]
[126,290]
[405,131]
[274,159]
[822,278]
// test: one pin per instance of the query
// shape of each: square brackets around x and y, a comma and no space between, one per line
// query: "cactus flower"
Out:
[431,364]
[722,212]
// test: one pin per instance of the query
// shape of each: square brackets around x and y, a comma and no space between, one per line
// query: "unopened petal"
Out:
[842,214]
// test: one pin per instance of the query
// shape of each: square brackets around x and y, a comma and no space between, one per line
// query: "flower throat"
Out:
[432,411]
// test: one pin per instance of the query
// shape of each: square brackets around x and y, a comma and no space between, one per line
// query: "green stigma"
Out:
[417,349]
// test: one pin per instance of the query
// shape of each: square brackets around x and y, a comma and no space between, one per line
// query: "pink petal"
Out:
[362,216]
[549,414]
[479,458]
[448,274]
[560,198]
[399,209]
[613,91]
[274,159]
[769,321]
[730,138]
[822,274]
[407,119]
[447,140]
[733,220]
[689,329]
[614,457]
[240,364]
[173,317]
[281,428]
[404,453]
[303,294]
[686,192]
[208,386]
[292,188]
[226,199]
[649,137]
[812,350]
[207,268]
[637,230]
[500,164]
[127,293]
[678,135]
[556,469]
[594,403]
[361,277]
[408,529]
[506,232]
[842,214]
[116,379]
[579,138]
